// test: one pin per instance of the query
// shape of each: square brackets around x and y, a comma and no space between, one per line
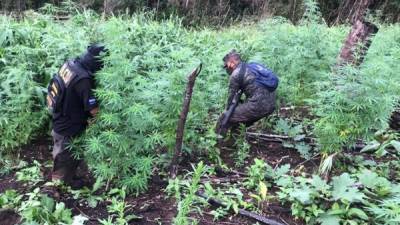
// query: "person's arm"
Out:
[234,86]
[90,104]
[94,111]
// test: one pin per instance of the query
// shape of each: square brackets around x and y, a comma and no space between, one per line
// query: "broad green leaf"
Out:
[48,203]
[373,146]
[99,182]
[343,190]
[319,184]
[304,150]
[92,201]
[359,213]
[395,144]
[329,220]
[282,170]
[368,178]
[302,195]
[284,181]
[235,207]
[299,137]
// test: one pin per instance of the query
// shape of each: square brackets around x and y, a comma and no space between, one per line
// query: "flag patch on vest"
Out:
[92,101]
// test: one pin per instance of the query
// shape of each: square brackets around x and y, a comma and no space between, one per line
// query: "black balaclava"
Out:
[91,60]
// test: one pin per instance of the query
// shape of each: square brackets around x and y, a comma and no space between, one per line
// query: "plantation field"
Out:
[326,156]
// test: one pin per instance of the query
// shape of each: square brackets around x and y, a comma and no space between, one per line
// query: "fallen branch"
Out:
[242,212]
[182,120]
[281,138]
[305,161]
[222,180]
[278,138]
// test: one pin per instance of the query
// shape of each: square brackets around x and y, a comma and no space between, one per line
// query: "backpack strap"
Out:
[242,72]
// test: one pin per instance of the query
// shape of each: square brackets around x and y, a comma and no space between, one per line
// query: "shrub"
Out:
[30,51]
[356,102]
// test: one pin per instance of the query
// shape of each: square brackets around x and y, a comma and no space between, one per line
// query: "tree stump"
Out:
[395,120]
[357,43]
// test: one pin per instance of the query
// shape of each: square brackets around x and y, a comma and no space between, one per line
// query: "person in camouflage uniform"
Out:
[259,102]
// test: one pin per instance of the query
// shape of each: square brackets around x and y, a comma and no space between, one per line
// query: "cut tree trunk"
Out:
[359,39]
[395,120]
[357,43]
[182,120]
[352,10]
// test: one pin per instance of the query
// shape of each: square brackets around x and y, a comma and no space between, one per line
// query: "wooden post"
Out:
[182,120]
[394,121]
[359,38]
[352,10]
[357,43]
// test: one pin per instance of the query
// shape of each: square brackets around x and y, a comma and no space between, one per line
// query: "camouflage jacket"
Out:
[259,99]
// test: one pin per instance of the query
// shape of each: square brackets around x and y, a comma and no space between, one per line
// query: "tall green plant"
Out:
[356,102]
[140,90]
[30,51]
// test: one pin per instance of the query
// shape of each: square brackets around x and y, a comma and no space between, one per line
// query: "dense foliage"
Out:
[355,102]
[30,51]
[141,87]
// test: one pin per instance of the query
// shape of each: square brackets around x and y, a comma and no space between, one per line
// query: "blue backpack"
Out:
[264,76]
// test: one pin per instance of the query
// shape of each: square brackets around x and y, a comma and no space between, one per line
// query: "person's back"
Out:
[72,103]
[259,102]
[78,100]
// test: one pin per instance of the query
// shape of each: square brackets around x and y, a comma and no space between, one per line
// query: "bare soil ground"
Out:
[153,206]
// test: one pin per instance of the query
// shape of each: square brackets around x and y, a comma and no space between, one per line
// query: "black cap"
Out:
[91,60]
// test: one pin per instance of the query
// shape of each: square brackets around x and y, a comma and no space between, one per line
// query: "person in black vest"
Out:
[78,106]
[259,102]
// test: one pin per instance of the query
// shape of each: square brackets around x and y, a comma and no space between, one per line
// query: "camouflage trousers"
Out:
[249,112]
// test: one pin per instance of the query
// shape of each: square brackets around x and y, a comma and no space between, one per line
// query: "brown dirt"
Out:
[8,216]
[153,206]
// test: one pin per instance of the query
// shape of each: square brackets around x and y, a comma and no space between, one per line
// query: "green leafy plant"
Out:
[296,134]
[347,199]
[89,195]
[232,198]
[118,209]
[185,205]
[10,164]
[30,51]
[41,209]
[386,211]
[383,141]
[32,174]
[356,102]
[242,147]
[256,173]
[140,90]
[10,199]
